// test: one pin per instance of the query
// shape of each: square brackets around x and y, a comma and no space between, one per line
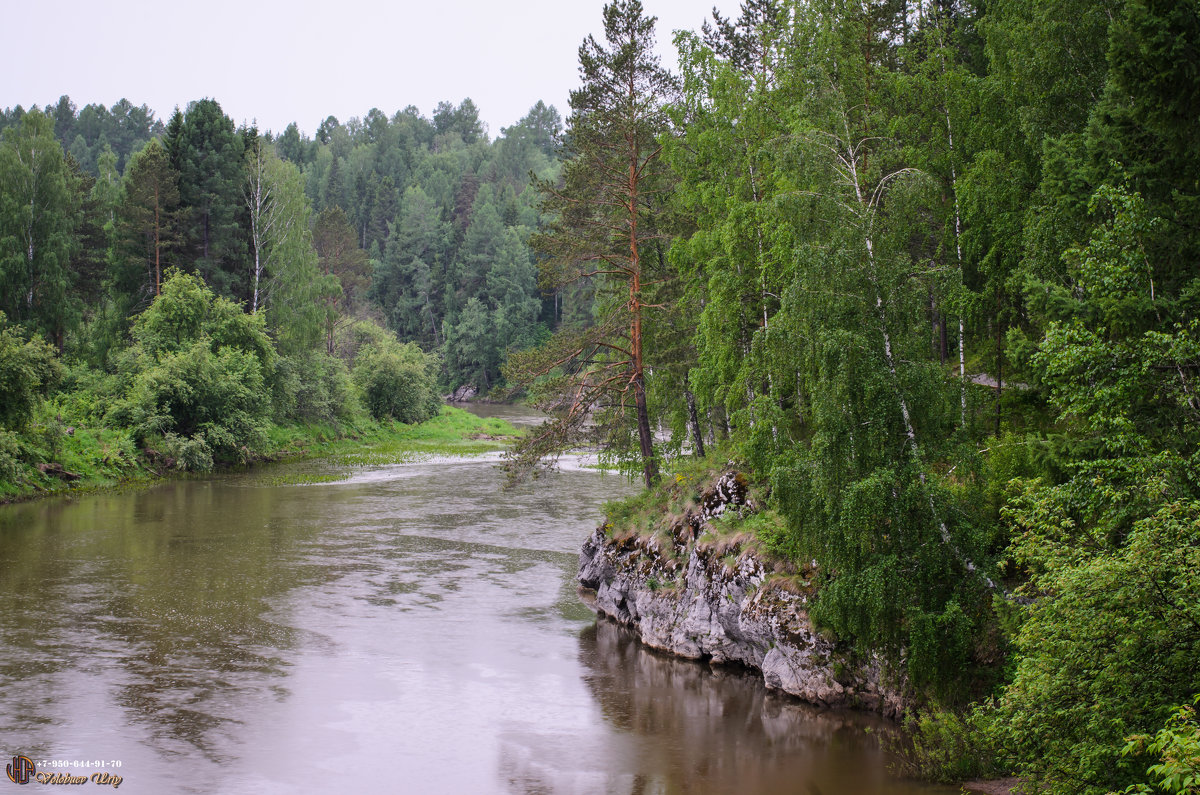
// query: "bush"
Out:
[1176,746]
[1109,644]
[313,387]
[945,746]
[28,369]
[10,456]
[196,376]
[188,454]
[397,381]
[215,397]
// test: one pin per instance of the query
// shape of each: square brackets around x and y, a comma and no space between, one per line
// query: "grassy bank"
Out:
[70,459]
[682,495]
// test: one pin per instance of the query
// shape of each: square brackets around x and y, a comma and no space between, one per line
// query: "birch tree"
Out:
[37,226]
[901,547]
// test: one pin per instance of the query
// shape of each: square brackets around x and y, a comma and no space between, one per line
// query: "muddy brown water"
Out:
[407,628]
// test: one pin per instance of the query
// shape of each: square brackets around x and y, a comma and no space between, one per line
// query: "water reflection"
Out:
[406,629]
[696,728]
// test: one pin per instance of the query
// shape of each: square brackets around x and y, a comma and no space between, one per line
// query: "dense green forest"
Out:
[926,268]
[179,290]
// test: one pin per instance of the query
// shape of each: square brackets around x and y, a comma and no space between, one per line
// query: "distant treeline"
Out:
[423,221]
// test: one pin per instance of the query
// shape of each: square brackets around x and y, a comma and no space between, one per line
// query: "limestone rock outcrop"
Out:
[714,599]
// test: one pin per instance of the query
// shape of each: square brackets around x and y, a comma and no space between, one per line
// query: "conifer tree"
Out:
[613,183]
[148,211]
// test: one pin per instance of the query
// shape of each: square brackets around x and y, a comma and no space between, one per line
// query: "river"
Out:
[406,628]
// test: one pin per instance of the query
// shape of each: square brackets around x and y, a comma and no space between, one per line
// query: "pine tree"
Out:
[148,222]
[340,257]
[613,182]
[208,154]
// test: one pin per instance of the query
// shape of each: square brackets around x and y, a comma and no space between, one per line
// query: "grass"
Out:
[107,459]
[658,511]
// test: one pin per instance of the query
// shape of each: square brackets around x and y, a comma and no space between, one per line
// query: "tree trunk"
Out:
[645,436]
[999,362]
[694,418]
[157,246]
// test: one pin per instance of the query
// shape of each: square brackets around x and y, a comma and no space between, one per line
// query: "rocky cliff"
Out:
[704,596]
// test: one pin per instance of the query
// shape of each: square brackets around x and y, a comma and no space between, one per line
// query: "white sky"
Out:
[278,62]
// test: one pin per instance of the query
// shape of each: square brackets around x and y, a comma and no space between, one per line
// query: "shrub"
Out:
[217,397]
[1176,746]
[196,375]
[945,746]
[313,387]
[10,456]
[28,369]
[189,454]
[397,381]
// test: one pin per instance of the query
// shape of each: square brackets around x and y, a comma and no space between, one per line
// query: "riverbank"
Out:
[93,459]
[691,569]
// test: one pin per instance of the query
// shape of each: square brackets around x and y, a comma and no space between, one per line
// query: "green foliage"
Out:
[313,387]
[1177,746]
[146,226]
[605,234]
[397,381]
[196,375]
[1112,637]
[38,206]
[28,370]
[11,454]
[1113,552]
[206,151]
[947,746]
[847,212]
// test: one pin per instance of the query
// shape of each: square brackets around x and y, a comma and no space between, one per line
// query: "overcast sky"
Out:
[278,62]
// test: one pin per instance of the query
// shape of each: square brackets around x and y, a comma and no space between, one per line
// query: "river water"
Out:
[407,628]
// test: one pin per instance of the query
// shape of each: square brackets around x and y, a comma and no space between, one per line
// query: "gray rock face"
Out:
[714,601]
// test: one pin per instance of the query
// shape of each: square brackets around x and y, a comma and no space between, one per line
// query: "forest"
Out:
[926,268]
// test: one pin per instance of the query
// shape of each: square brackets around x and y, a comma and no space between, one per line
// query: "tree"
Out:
[463,120]
[208,154]
[471,355]
[613,182]
[294,148]
[340,257]
[280,239]
[1113,551]
[510,290]
[291,288]
[809,275]
[148,211]
[197,375]
[738,260]
[397,380]
[28,370]
[38,204]
[406,283]
[385,207]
